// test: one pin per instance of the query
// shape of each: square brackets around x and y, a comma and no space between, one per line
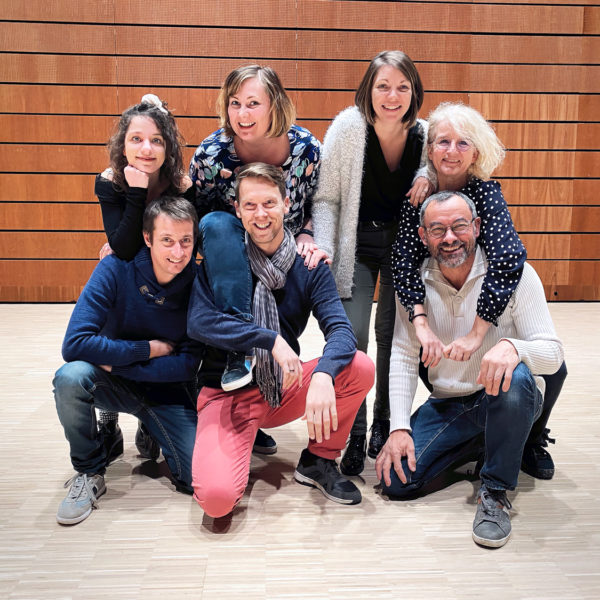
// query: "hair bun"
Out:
[155,101]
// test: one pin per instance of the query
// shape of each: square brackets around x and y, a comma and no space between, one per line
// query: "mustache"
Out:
[453,246]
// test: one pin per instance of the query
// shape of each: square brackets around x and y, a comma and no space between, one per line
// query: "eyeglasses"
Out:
[461,145]
[458,228]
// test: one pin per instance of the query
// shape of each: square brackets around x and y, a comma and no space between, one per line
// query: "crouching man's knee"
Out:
[217,500]
[73,382]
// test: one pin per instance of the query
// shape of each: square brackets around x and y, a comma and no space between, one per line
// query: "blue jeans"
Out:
[373,260]
[79,387]
[226,262]
[442,426]
[554,383]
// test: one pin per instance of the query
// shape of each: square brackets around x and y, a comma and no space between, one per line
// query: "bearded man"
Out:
[498,392]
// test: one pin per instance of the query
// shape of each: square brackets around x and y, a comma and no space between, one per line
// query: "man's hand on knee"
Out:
[497,363]
[398,445]
[321,413]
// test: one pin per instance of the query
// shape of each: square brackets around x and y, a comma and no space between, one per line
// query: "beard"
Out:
[456,259]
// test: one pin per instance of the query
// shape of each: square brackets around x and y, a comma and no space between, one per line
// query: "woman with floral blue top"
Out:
[256,126]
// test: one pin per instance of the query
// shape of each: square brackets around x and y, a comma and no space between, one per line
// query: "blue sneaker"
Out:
[81,499]
[238,371]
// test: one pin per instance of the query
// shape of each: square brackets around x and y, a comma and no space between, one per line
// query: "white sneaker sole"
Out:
[304,480]
[241,382]
[490,543]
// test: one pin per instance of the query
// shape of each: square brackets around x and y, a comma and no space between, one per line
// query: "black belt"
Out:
[376,225]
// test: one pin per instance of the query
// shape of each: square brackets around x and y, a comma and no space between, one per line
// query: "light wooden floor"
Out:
[285,540]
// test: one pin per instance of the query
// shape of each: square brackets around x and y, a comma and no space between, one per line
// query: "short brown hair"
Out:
[174,207]
[261,170]
[282,111]
[400,61]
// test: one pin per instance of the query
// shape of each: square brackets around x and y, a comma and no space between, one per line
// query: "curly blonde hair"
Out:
[470,124]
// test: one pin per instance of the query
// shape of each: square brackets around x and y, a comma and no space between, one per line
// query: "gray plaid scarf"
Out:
[272,274]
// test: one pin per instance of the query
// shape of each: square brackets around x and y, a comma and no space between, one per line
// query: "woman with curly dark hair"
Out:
[145,163]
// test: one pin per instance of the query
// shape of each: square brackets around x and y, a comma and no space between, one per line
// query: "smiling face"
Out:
[262,210]
[391,95]
[144,146]
[452,250]
[451,155]
[249,111]
[171,246]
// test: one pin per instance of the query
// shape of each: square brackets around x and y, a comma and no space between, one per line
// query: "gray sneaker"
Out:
[81,499]
[491,527]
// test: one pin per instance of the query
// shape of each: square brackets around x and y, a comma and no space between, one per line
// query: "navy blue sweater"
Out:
[114,321]
[304,292]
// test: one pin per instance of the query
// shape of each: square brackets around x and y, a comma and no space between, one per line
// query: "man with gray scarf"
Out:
[326,391]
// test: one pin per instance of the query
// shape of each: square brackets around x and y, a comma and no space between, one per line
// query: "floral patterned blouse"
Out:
[215,164]
[503,248]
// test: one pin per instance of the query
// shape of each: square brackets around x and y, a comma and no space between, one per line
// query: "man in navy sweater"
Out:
[127,350]
[326,391]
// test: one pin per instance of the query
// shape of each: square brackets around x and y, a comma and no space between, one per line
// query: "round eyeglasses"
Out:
[458,228]
[461,145]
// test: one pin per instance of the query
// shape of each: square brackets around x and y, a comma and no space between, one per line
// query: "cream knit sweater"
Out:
[526,323]
[337,199]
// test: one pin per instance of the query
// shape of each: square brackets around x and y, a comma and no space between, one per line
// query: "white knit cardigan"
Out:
[337,199]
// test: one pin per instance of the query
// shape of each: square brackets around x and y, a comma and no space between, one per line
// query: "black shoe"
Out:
[323,474]
[147,446]
[112,438]
[353,461]
[380,432]
[536,460]
[238,371]
[264,443]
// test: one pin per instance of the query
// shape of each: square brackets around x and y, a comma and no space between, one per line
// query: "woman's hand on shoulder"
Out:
[105,251]
[186,184]
[310,252]
[107,174]
[420,191]
[135,177]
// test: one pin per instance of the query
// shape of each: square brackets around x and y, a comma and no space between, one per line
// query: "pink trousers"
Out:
[228,422]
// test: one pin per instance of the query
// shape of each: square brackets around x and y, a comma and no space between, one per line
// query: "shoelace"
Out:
[547,439]
[81,483]
[490,500]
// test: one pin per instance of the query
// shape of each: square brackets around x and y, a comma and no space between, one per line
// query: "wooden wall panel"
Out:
[23,216]
[43,187]
[104,100]
[55,244]
[61,38]
[43,280]
[69,69]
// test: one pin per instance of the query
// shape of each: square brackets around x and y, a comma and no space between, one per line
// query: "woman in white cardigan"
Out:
[370,160]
